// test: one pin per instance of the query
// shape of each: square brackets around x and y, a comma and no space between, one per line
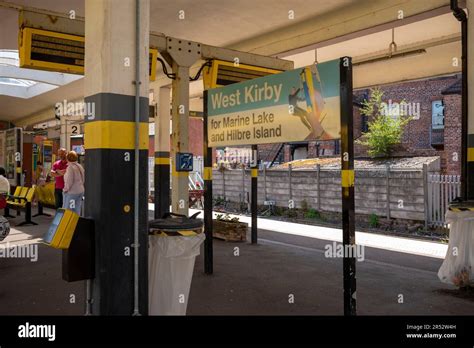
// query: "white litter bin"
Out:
[174,243]
[458,266]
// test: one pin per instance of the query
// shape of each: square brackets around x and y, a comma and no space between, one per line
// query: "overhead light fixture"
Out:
[393,53]
[385,57]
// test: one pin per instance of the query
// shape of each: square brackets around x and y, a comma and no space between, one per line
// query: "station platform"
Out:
[260,280]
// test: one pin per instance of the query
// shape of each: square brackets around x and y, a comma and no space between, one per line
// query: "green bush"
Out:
[312,214]
[384,131]
[373,220]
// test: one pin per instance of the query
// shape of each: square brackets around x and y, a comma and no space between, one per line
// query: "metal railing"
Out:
[442,189]
[196,182]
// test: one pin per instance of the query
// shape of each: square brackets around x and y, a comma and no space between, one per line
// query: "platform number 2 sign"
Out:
[74,129]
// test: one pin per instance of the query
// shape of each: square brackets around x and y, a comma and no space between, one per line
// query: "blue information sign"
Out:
[184,162]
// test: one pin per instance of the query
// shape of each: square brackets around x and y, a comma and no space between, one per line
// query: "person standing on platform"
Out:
[4,189]
[4,183]
[73,184]
[57,172]
[39,178]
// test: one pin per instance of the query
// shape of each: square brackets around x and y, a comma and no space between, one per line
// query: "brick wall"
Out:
[195,129]
[195,135]
[452,134]
[287,153]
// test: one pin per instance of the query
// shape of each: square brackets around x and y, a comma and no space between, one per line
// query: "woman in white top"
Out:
[73,184]
[4,183]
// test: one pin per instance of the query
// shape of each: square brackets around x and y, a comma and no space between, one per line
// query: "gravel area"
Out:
[362,163]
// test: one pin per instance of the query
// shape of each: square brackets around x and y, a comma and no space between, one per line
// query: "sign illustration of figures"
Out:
[297,105]
[311,114]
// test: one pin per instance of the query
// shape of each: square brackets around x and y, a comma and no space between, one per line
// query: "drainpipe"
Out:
[462,17]
[136,246]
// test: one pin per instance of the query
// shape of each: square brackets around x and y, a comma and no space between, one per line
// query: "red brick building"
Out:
[195,145]
[435,129]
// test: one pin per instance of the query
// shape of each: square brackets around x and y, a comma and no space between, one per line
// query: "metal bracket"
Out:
[183,52]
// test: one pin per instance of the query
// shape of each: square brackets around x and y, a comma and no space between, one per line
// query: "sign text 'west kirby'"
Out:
[251,94]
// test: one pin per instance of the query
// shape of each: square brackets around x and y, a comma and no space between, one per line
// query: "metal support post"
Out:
[347,183]
[254,189]
[207,151]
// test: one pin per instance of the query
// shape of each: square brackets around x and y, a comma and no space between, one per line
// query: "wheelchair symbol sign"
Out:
[184,162]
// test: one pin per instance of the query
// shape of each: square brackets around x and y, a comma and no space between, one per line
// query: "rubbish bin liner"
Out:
[172,222]
[458,265]
[174,244]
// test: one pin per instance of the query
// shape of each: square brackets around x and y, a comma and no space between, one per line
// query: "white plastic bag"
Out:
[458,265]
[170,269]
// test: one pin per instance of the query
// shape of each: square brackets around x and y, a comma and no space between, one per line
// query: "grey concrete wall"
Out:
[403,191]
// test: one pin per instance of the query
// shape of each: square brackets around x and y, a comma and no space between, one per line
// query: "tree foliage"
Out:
[384,130]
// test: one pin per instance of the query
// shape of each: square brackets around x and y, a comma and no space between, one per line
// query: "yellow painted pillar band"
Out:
[254,172]
[162,160]
[347,178]
[114,135]
[207,173]
[470,154]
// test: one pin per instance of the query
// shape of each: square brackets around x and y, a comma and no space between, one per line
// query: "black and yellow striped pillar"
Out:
[254,194]
[110,153]
[469,181]
[162,153]
[162,183]
[109,167]
[208,204]
[347,183]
